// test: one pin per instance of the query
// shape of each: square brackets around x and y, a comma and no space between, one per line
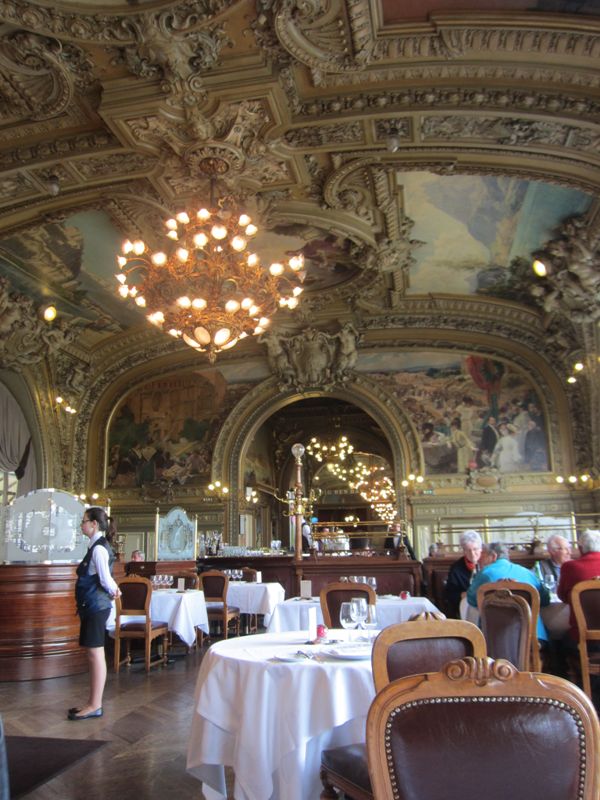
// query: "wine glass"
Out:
[347,621]
[371,619]
[358,610]
[372,582]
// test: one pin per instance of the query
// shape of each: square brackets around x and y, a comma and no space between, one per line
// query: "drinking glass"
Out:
[550,583]
[371,619]
[347,621]
[372,582]
[358,610]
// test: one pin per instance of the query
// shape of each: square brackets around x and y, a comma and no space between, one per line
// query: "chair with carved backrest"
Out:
[585,602]
[190,579]
[334,594]
[424,643]
[214,584]
[531,594]
[481,728]
[135,599]
[505,620]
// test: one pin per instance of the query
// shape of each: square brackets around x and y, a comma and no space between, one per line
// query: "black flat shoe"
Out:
[75,717]
[73,710]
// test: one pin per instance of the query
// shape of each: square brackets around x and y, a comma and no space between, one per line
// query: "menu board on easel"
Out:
[176,536]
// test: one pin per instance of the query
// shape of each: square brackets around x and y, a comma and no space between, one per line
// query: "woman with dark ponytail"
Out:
[94,591]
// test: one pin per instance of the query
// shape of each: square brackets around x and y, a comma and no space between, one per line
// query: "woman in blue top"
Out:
[94,592]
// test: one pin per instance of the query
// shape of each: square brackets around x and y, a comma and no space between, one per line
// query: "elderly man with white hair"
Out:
[462,571]
[580,569]
[559,550]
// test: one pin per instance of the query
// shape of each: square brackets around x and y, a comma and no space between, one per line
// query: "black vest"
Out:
[90,595]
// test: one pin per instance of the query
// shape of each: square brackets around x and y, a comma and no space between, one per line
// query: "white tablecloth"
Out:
[255,598]
[292,615]
[270,720]
[183,612]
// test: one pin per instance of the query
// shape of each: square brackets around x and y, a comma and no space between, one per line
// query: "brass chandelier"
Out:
[206,285]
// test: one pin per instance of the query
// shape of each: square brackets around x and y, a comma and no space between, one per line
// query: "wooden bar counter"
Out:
[393,574]
[39,629]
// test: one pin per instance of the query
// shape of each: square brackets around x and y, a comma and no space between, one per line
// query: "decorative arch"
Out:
[266,398]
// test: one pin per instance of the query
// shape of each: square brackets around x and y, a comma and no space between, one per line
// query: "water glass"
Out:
[346,619]
[372,582]
[371,619]
[358,610]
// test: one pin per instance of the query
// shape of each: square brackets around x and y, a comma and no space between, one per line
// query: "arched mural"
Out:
[470,412]
[163,432]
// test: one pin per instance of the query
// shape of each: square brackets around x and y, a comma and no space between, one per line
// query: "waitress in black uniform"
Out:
[94,591]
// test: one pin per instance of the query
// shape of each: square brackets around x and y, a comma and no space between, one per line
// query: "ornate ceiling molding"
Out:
[104,28]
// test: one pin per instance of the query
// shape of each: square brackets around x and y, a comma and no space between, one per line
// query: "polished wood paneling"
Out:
[39,627]
[393,575]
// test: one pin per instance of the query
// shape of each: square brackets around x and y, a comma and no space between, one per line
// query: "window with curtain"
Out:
[8,487]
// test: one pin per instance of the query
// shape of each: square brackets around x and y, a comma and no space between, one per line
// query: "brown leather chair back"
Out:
[506,625]
[533,736]
[191,580]
[214,584]
[135,596]
[532,596]
[249,575]
[334,594]
[423,644]
[585,602]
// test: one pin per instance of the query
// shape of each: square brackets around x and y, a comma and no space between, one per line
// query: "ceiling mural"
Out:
[473,227]
[418,10]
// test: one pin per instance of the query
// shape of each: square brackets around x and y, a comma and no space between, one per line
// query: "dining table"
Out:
[253,597]
[267,705]
[183,611]
[293,614]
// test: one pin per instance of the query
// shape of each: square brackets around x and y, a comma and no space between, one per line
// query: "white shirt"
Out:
[99,565]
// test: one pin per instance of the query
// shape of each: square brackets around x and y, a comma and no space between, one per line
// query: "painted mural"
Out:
[470,412]
[163,434]
[473,227]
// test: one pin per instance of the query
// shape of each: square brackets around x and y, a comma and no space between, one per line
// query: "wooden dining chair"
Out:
[135,599]
[534,736]
[585,602]
[505,620]
[191,580]
[214,584]
[334,594]
[423,644]
[532,596]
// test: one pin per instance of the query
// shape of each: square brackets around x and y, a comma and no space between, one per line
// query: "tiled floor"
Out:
[146,720]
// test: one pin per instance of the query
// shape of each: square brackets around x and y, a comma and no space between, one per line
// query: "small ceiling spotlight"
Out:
[53,185]
[578,366]
[392,143]
[539,268]
[571,379]
[49,313]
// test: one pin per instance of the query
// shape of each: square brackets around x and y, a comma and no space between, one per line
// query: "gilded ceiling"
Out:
[410,150]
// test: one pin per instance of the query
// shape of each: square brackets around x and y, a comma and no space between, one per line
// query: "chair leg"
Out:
[225,627]
[585,672]
[147,650]
[329,792]
[117,657]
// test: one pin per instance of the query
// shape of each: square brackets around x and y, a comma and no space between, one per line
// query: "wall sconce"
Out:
[218,488]
[583,481]
[62,403]
[251,495]
[412,482]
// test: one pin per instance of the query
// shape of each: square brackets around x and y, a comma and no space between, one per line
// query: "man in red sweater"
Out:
[580,569]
